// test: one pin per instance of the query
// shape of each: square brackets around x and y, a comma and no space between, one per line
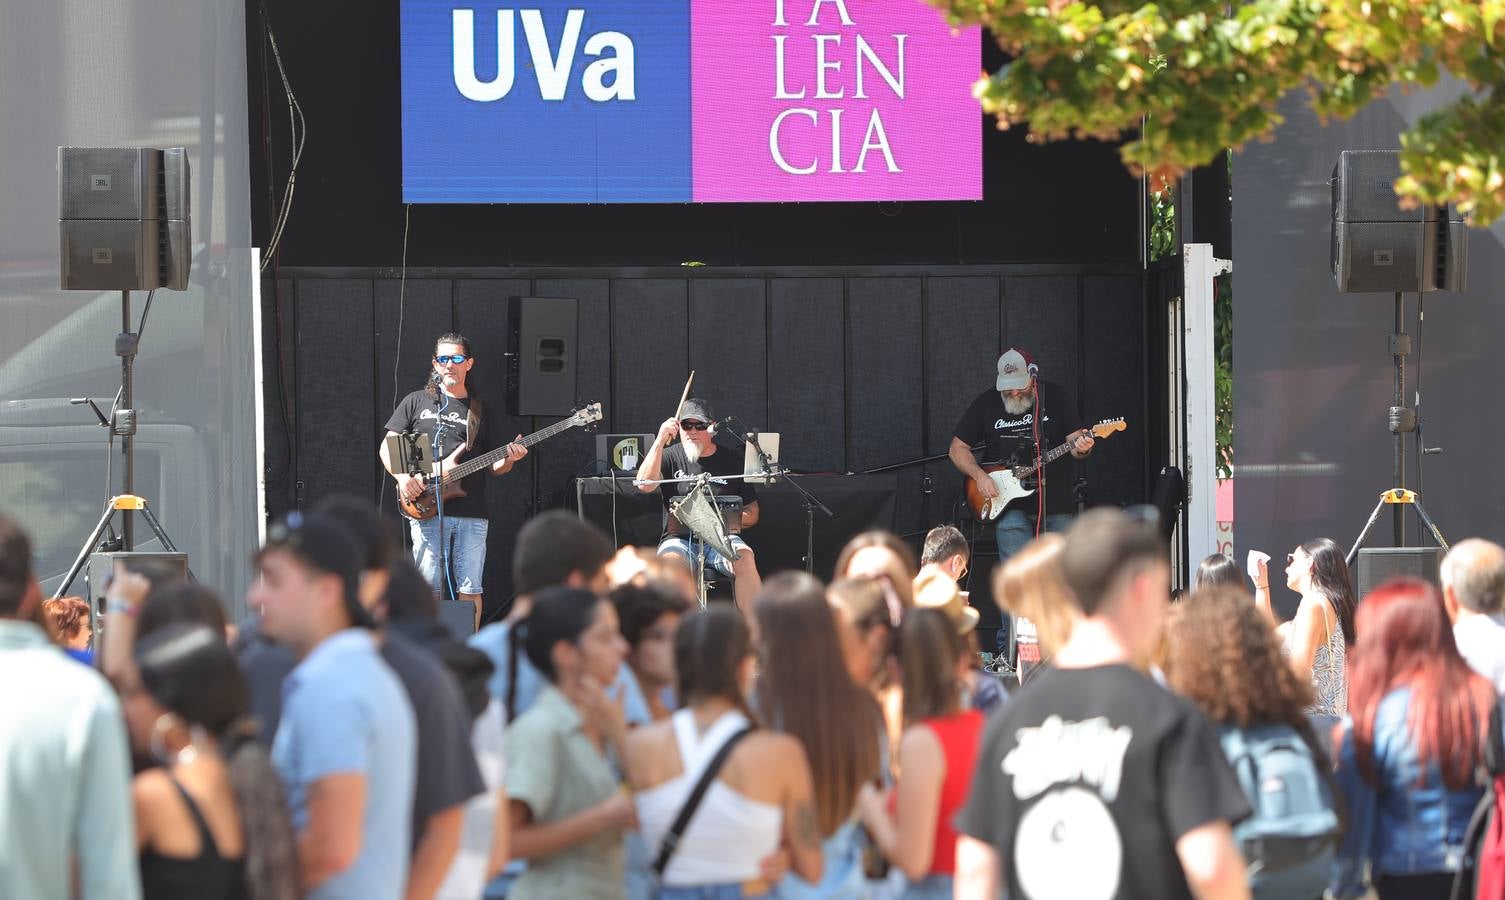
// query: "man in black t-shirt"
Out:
[442,411]
[1094,782]
[696,453]
[1022,418]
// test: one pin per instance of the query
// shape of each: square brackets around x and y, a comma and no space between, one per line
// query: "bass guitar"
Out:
[1009,479]
[425,506]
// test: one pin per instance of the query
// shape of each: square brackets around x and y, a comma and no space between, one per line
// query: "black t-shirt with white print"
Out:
[1086,780]
[1010,440]
[422,412]
[725,461]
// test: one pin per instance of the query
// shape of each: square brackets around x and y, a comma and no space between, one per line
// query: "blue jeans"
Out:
[680,546]
[465,540]
[702,892]
[1014,530]
[931,887]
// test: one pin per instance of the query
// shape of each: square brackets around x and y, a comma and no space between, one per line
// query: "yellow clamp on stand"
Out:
[128,502]
[1398,495]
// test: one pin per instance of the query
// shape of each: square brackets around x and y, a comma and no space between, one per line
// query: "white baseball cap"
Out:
[1015,370]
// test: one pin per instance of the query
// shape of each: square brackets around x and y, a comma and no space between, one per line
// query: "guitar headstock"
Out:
[586,415]
[1108,426]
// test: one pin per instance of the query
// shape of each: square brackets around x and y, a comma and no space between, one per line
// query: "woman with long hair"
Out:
[866,611]
[1411,751]
[1224,658]
[568,815]
[759,802]
[1216,571]
[804,690]
[1318,638]
[937,753]
[211,821]
[881,554]
[1029,586]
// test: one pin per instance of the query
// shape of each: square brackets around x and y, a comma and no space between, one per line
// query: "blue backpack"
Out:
[1288,843]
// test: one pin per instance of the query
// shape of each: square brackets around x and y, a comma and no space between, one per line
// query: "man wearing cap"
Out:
[346,745]
[697,452]
[1023,417]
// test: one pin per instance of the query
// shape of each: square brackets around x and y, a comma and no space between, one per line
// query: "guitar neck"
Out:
[486,460]
[1049,457]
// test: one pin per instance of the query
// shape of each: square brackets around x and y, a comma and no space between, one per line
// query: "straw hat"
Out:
[934,589]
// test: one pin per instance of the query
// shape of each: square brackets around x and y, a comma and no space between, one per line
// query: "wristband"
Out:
[116,605]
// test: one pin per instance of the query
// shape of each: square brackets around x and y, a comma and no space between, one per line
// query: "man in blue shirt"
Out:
[346,745]
[65,797]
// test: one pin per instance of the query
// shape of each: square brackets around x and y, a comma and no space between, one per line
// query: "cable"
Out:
[141,329]
[402,288]
[297,130]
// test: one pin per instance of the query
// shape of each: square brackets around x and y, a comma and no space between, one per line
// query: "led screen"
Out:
[674,101]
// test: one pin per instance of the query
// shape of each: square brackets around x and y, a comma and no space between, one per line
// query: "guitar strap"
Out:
[472,423]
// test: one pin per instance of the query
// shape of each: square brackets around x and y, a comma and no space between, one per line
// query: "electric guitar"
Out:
[426,507]
[1008,479]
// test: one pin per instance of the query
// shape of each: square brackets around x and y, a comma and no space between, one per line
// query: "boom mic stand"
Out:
[809,501]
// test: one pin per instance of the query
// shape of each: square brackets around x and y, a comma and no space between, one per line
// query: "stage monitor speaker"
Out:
[159,567]
[1376,565]
[543,336]
[123,218]
[1378,247]
[458,618]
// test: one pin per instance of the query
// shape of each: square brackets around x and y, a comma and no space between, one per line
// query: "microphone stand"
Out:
[809,501]
[441,402]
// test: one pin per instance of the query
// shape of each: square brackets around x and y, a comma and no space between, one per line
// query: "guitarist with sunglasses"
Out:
[446,409]
[1018,421]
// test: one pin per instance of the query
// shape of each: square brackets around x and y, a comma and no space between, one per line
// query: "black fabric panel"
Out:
[886,391]
[886,371]
[1115,379]
[806,372]
[963,321]
[481,315]
[574,452]
[650,350]
[729,346]
[336,422]
[279,394]
[426,311]
[1041,317]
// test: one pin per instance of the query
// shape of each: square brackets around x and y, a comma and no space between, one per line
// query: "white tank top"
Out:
[729,835]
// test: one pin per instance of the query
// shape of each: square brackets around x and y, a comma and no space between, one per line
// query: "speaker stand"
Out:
[1396,497]
[123,504]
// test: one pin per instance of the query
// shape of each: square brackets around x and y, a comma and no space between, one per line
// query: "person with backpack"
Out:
[1225,659]
[1412,750]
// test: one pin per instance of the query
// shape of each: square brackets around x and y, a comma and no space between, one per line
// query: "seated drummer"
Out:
[697,452]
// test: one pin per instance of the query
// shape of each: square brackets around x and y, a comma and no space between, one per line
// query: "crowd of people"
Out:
[611,739]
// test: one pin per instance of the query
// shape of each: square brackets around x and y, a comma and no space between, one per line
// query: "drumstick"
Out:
[685,396]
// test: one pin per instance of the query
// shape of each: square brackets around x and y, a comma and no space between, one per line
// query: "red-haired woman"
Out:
[69,619]
[1411,752]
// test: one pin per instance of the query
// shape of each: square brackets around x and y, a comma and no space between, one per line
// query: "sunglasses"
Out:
[452,359]
[692,425]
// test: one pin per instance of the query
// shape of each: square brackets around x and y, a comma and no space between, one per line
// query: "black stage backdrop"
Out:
[856,371]
[858,331]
